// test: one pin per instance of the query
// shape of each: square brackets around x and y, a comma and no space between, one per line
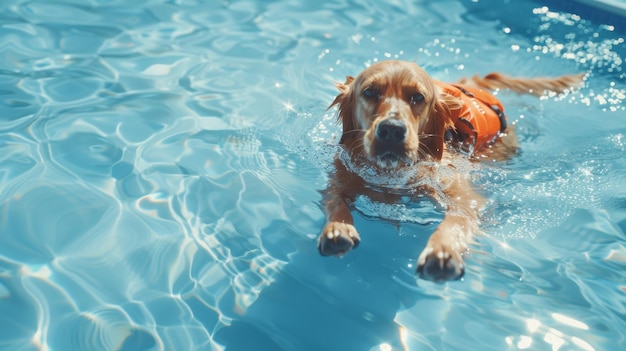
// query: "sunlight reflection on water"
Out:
[161,162]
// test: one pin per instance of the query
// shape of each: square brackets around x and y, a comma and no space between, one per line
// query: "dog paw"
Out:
[337,239]
[440,264]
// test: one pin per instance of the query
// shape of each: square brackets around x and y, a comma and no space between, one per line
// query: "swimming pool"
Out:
[161,163]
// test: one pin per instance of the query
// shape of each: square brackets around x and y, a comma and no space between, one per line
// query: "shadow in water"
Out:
[325,303]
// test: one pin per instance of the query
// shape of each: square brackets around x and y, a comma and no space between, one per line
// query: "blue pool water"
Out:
[161,162]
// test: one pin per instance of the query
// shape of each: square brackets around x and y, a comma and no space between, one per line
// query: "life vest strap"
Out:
[462,137]
[463,90]
[501,117]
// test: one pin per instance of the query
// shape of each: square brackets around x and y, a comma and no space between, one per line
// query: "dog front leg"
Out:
[442,258]
[339,235]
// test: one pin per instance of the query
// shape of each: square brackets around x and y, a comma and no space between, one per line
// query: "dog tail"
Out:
[532,86]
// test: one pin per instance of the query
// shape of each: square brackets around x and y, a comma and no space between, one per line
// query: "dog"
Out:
[401,130]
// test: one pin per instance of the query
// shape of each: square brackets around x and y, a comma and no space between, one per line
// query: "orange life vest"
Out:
[479,122]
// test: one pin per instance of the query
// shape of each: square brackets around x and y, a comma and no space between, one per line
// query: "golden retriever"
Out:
[401,129]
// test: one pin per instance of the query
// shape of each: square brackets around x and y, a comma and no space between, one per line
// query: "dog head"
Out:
[395,113]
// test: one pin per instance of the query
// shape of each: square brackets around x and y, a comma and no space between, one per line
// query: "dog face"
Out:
[394,112]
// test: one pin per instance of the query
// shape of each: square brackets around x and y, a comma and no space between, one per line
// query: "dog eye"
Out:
[416,98]
[371,93]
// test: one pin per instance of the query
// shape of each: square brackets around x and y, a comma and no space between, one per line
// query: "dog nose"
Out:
[391,131]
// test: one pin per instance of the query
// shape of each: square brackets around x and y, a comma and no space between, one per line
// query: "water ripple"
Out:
[161,161]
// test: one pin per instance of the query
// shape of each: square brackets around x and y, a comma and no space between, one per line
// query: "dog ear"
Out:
[449,102]
[341,87]
[344,90]
[439,120]
[345,101]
